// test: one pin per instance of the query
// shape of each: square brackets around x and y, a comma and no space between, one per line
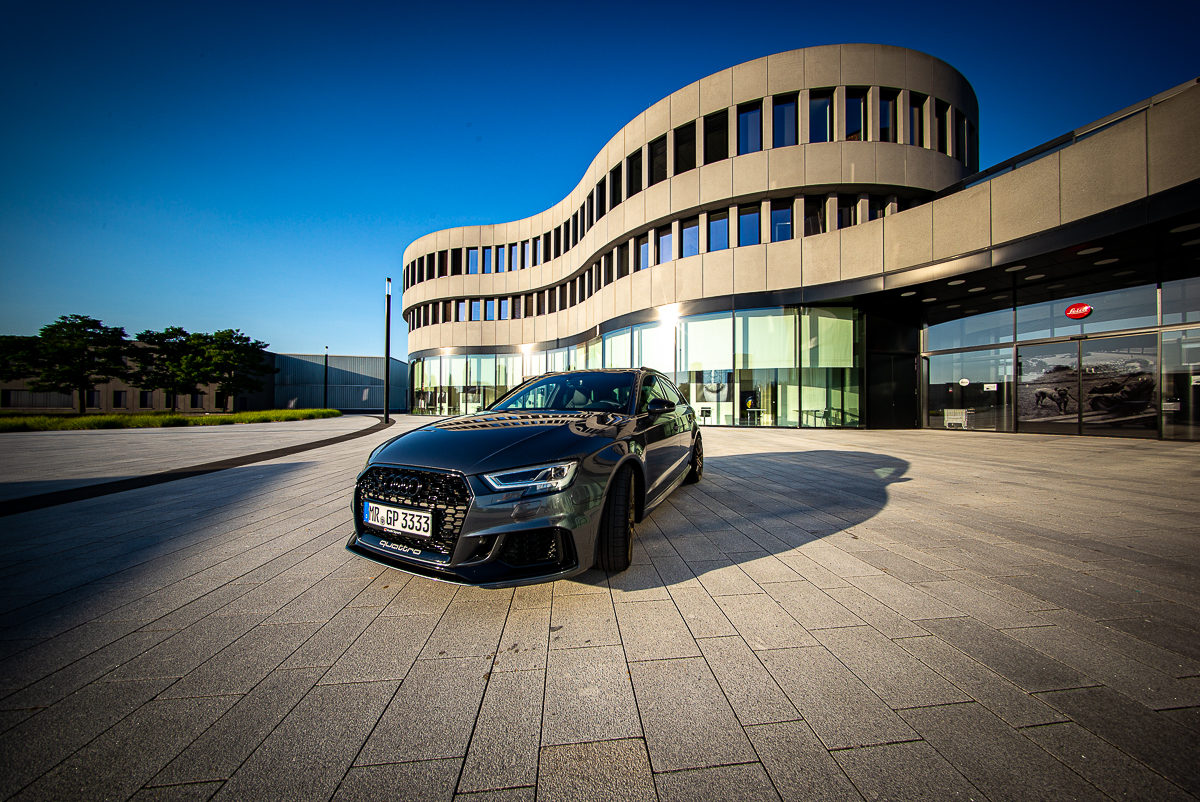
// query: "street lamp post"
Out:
[325,400]
[387,357]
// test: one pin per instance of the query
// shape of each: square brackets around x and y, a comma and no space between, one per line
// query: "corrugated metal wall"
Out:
[355,382]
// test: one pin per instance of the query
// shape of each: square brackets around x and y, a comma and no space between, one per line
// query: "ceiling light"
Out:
[956,282]
[954,306]
[999,297]
[970,311]
[977,289]
[906,294]
[1108,261]
[928,300]
[1088,251]
[1191,242]
[1056,286]
[1188,227]
[1015,268]
[1123,273]
[1035,275]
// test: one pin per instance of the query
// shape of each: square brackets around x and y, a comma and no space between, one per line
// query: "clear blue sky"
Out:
[262,167]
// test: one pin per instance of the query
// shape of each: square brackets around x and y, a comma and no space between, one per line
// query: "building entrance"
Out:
[1104,386]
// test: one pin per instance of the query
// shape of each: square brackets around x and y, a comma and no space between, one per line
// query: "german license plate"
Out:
[398,520]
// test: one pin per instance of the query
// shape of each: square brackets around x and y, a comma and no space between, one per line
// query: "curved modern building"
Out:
[807,240]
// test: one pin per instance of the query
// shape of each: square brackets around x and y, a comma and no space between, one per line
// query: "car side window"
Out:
[673,393]
[651,388]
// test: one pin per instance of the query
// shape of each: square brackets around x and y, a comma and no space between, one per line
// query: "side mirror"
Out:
[658,406]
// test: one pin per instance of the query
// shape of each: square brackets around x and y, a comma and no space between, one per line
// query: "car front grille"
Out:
[531,548]
[446,495]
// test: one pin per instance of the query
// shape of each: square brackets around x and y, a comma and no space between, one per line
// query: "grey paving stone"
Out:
[839,562]
[1188,717]
[1025,667]
[687,721]
[125,757]
[421,597]
[244,663]
[723,578]
[382,590]
[525,794]
[588,697]
[979,605]
[593,581]
[762,623]
[432,714]
[525,640]
[1150,737]
[42,741]
[675,573]
[583,620]
[385,650]
[1068,598]
[423,781]
[837,705]
[197,792]
[319,603]
[904,772]
[905,599]
[1108,768]
[532,597]
[504,745]
[746,783]
[874,612]
[605,771]
[702,615]
[332,639]
[799,765]
[217,753]
[1163,634]
[747,685]
[185,650]
[812,607]
[766,568]
[467,630]
[890,672]
[654,630]
[51,655]
[638,583]
[309,753]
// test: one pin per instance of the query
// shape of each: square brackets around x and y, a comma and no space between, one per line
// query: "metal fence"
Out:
[355,382]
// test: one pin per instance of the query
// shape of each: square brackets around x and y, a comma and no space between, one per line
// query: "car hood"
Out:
[494,441]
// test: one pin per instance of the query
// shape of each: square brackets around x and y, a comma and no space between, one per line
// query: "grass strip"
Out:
[18,422]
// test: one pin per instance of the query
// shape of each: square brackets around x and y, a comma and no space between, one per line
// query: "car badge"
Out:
[410,485]
[1078,311]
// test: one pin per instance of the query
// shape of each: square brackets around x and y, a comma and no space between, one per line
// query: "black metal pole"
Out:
[325,400]
[387,357]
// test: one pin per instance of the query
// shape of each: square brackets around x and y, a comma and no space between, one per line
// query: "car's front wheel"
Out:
[617,523]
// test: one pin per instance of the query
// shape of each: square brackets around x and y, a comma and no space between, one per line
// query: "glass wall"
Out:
[706,366]
[971,390]
[830,374]
[1181,384]
[766,375]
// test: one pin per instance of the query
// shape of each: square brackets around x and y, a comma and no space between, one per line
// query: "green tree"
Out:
[171,360]
[71,355]
[236,363]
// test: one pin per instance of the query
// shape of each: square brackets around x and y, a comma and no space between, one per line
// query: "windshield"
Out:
[607,392]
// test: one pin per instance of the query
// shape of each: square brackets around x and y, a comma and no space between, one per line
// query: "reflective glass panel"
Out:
[764,350]
[748,226]
[1111,311]
[617,346]
[986,329]
[820,122]
[781,222]
[654,347]
[689,233]
[718,231]
[972,390]
[830,392]
[706,366]
[472,261]
[1119,386]
[784,128]
[1181,384]
[1181,301]
[1048,388]
[750,130]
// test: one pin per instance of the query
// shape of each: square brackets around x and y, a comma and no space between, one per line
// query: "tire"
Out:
[617,524]
[696,467]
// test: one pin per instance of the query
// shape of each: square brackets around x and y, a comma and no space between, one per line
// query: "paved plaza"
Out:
[829,615]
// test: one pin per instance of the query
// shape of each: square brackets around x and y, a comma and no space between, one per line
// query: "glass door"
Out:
[1119,388]
[1048,388]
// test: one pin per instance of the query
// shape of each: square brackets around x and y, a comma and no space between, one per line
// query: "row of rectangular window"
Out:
[658,246]
[786,124]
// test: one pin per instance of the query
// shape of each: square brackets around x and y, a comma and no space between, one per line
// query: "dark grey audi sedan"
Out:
[550,480]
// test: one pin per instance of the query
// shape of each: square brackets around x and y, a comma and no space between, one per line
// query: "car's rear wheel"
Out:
[617,523]
[696,467]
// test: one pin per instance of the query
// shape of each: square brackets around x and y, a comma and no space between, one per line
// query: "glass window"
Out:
[749,128]
[557,242]
[601,196]
[1135,307]
[767,376]
[504,309]
[820,116]
[642,253]
[748,225]
[847,211]
[985,329]
[984,401]
[706,366]
[856,115]
[716,137]
[961,136]
[622,259]
[654,346]
[145,399]
[443,264]
[664,254]
[830,394]
[1181,383]
[781,220]
[489,309]
[658,160]
[685,148]
[589,391]
[514,257]
[814,216]
[456,262]
[462,312]
[590,207]
[718,231]
[119,397]
[916,120]
[1181,301]
[1119,386]
[887,116]
[783,130]
[689,231]
[941,114]
[475,310]
[614,186]
[472,261]
[633,164]
[617,349]
[501,258]
[876,206]
[527,254]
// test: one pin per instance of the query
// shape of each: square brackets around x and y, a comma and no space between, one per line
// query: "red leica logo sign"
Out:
[1078,311]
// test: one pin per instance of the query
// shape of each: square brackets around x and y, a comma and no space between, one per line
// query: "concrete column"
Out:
[676,242]
[951,149]
[768,122]
[929,114]
[798,217]
[764,221]
[831,206]
[873,96]
[670,152]
[839,113]
[802,118]
[703,232]
[733,226]
[632,255]
[903,135]
[864,207]
[732,115]
[645,166]
[893,205]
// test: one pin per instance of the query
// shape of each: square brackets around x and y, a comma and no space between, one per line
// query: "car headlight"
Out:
[535,479]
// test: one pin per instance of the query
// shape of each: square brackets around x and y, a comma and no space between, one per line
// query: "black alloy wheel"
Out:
[617,524]
[696,469]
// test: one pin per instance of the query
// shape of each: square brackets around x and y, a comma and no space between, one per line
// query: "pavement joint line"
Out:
[43,501]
